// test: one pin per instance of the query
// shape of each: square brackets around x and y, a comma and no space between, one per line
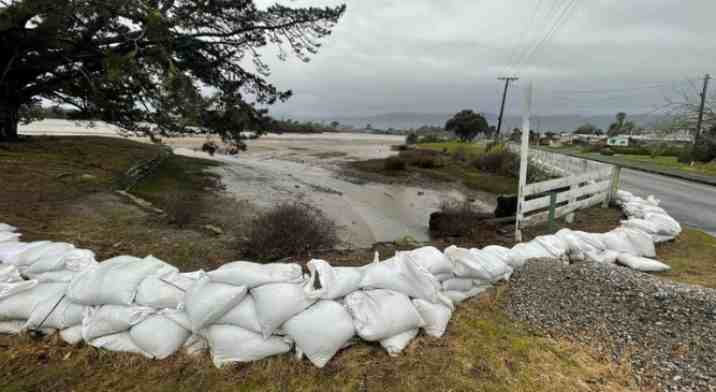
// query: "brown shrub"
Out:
[181,209]
[457,219]
[290,229]
[395,163]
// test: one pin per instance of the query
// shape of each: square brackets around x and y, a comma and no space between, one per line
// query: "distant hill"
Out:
[567,123]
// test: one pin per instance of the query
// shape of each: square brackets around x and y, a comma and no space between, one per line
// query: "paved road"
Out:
[690,203]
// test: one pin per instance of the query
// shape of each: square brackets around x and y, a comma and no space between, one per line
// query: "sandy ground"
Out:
[306,168]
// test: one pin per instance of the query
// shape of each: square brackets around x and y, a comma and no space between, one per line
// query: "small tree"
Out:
[467,125]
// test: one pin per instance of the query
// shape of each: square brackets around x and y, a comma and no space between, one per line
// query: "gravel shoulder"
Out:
[665,331]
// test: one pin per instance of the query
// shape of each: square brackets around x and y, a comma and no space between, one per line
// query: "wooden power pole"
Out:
[703,104]
[507,80]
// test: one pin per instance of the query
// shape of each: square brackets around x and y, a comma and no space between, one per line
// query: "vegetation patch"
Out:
[691,257]
[289,230]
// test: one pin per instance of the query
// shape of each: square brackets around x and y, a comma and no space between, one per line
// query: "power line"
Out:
[526,32]
[559,21]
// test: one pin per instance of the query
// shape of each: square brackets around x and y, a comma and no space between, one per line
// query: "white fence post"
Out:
[524,161]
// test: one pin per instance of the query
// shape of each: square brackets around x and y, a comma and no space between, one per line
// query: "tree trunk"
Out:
[8,122]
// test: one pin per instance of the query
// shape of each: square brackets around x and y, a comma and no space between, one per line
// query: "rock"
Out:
[88,177]
[213,229]
[506,206]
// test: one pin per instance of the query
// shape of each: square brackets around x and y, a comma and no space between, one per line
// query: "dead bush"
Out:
[457,219]
[429,162]
[395,163]
[181,209]
[290,229]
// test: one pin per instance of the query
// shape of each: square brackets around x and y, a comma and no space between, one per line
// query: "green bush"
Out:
[430,139]
[606,151]
[685,156]
[412,138]
[429,162]
[395,164]
[290,230]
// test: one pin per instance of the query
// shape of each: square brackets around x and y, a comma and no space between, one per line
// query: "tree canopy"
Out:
[157,67]
[588,129]
[621,126]
[467,125]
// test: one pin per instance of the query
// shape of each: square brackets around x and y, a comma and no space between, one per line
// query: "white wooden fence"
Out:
[573,193]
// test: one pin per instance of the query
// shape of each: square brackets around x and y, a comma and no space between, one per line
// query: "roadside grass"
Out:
[483,350]
[473,149]
[692,257]
[672,163]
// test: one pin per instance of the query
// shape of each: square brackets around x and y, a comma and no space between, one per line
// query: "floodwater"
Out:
[306,168]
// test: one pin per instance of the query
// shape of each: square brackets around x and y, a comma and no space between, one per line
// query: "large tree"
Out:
[151,67]
[467,125]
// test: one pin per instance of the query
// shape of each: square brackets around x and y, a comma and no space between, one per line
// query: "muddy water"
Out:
[304,168]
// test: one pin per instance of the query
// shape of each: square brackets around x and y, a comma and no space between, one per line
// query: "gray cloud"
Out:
[432,56]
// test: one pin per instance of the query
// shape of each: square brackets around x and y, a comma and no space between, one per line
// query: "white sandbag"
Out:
[53,260]
[72,335]
[624,196]
[78,260]
[113,282]
[112,319]
[6,227]
[619,241]
[9,274]
[120,342]
[12,327]
[9,251]
[576,248]
[458,284]
[475,264]
[641,241]
[436,317]
[458,297]
[665,224]
[443,277]
[403,275]
[593,240]
[642,264]
[653,200]
[394,345]
[605,257]
[278,302]
[27,258]
[17,300]
[55,313]
[159,291]
[523,252]
[243,315]
[432,259]
[328,282]
[159,336]
[6,236]
[230,344]
[554,245]
[380,314]
[500,252]
[63,276]
[244,273]
[321,330]
[207,301]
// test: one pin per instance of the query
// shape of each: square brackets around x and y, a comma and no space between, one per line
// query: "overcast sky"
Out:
[439,56]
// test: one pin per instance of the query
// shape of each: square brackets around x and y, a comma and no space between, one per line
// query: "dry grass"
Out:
[62,189]
[482,351]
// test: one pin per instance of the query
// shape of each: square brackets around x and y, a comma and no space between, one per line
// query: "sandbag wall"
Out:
[245,311]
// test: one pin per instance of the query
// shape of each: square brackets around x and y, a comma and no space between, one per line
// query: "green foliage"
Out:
[607,151]
[588,129]
[144,66]
[467,125]
[411,139]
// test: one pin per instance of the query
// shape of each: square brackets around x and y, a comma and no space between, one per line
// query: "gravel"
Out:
[667,331]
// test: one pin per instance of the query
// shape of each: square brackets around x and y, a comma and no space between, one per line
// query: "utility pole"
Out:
[507,80]
[703,104]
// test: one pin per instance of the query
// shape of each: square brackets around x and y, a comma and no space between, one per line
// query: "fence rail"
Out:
[583,185]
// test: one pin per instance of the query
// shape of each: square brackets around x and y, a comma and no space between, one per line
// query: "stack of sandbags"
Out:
[647,216]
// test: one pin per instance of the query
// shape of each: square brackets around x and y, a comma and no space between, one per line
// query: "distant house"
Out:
[621,140]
